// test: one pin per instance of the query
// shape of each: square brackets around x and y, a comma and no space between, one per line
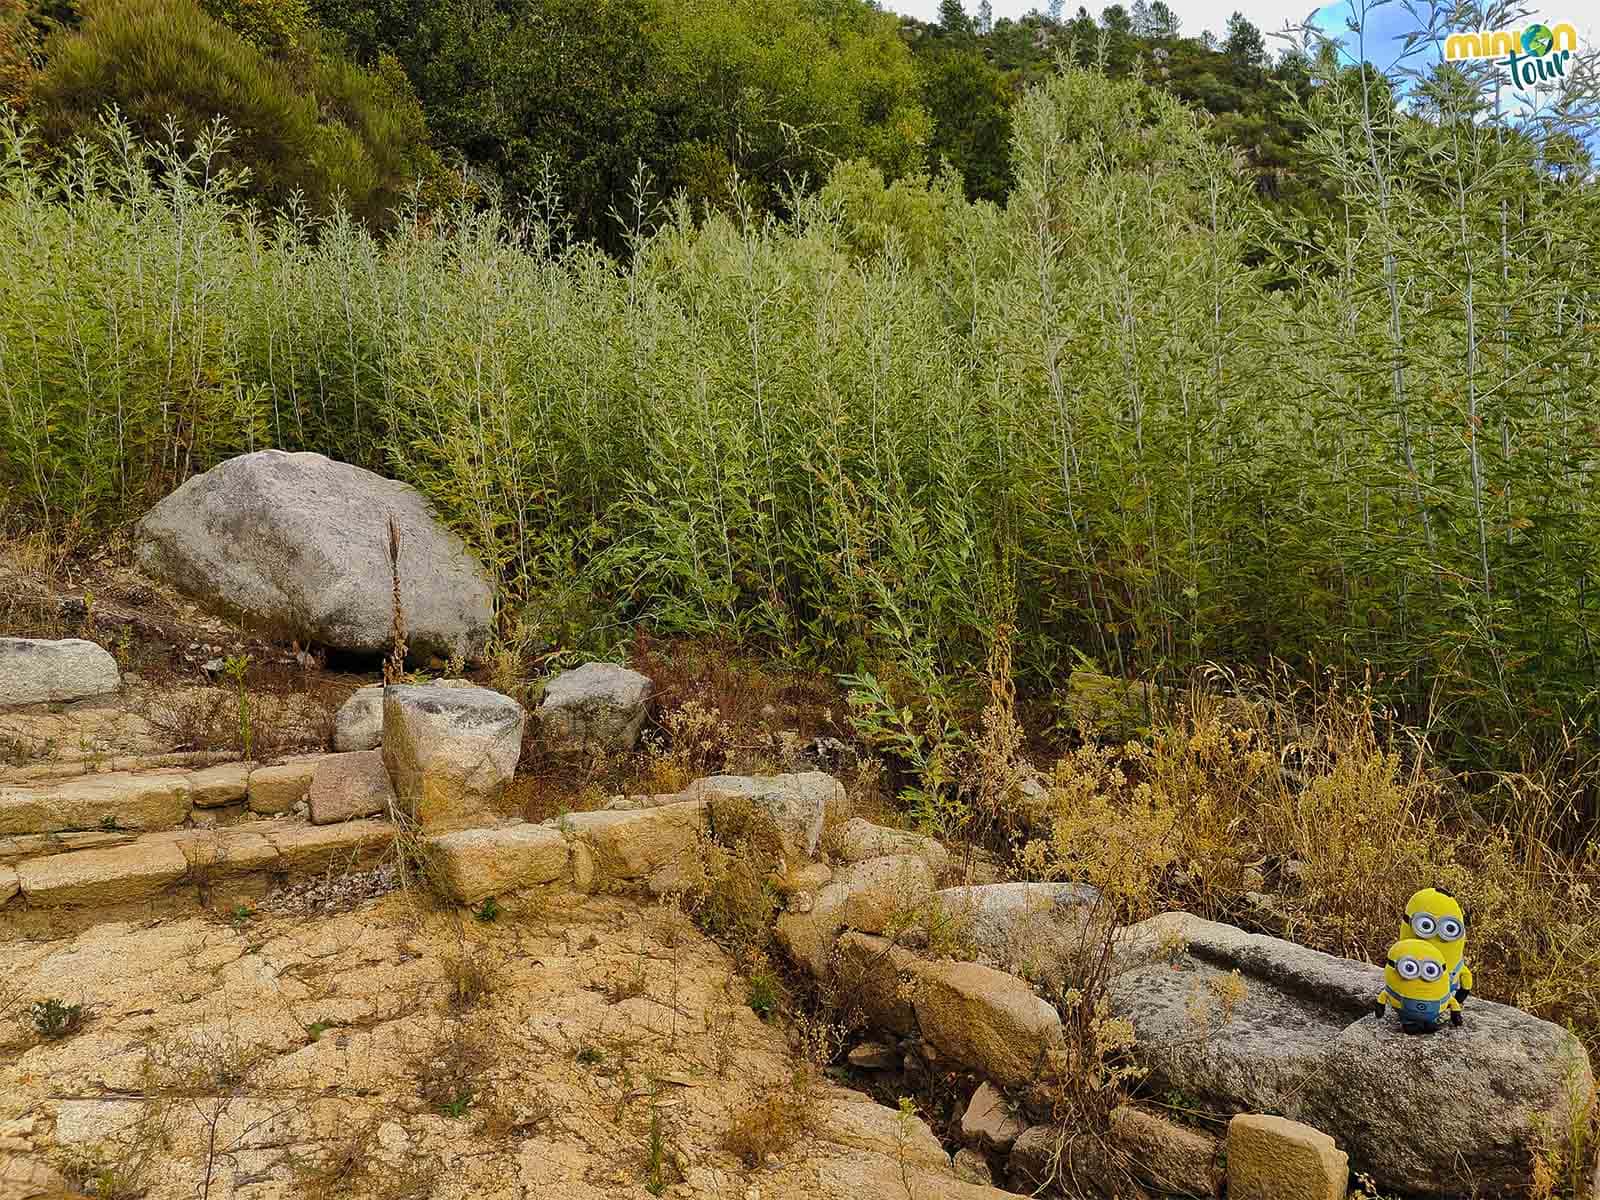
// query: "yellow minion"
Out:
[1416,984]
[1436,916]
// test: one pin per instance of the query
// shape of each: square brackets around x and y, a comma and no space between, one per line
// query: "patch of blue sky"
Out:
[1406,38]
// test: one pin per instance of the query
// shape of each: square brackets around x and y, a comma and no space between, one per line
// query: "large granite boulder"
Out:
[1252,1023]
[450,751]
[33,671]
[597,708]
[300,543]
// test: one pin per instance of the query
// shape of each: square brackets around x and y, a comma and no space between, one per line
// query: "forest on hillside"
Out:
[855,339]
[727,104]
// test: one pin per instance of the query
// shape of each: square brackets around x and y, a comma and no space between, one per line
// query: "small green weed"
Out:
[234,667]
[55,1019]
[762,993]
[655,1163]
[457,1107]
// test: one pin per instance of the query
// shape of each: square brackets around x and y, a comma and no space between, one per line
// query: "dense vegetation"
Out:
[1175,426]
[727,103]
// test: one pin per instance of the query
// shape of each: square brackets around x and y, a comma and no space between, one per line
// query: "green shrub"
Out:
[274,25]
[17,47]
[316,126]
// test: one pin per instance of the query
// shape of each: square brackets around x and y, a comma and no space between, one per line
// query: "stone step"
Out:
[64,768]
[147,800]
[151,865]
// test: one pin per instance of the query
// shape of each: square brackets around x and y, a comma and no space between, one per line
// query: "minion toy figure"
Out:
[1436,916]
[1416,984]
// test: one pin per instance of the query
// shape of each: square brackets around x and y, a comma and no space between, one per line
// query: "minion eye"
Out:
[1408,968]
[1450,929]
[1431,971]
[1423,925]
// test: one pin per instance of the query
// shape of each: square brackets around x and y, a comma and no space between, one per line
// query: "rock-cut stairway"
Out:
[165,825]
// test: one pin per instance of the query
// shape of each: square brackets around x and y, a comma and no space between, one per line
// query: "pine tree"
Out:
[1057,7]
[985,17]
[1164,23]
[953,19]
[1244,45]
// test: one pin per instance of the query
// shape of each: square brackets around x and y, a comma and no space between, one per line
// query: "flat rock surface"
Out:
[320,1027]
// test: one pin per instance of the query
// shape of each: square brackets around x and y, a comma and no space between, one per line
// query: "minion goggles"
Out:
[1446,929]
[1411,968]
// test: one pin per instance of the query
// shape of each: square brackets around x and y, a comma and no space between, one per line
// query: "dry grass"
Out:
[470,979]
[1338,813]
[766,1128]
[348,1167]
[449,1071]
[730,895]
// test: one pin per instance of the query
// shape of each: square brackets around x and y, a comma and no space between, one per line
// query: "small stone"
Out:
[392,1137]
[866,896]
[972,1167]
[478,863]
[874,1056]
[988,1021]
[860,840]
[612,848]
[1033,1159]
[807,877]
[277,789]
[1273,1158]
[214,787]
[988,1122]
[596,708]
[346,786]
[451,752]
[789,809]
[358,725]
[1167,1156]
